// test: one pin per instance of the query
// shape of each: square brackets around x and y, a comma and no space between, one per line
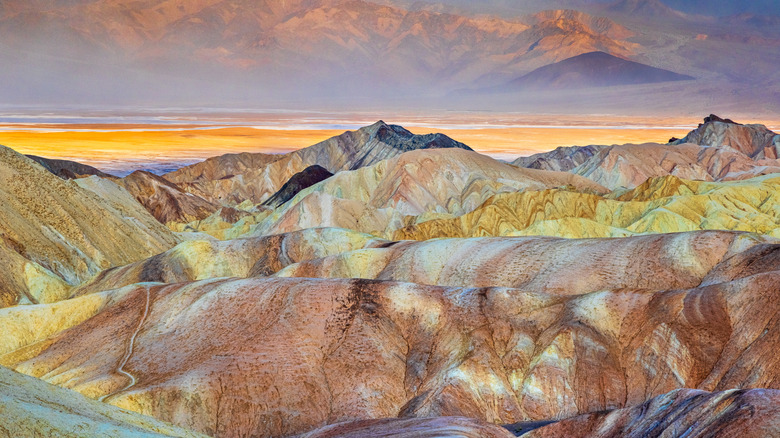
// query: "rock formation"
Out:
[258,256]
[423,183]
[317,352]
[755,141]
[301,180]
[543,264]
[165,200]
[407,286]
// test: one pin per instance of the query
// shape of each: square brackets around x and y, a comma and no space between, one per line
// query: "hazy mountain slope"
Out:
[594,69]
[488,353]
[350,42]
[56,234]
[32,408]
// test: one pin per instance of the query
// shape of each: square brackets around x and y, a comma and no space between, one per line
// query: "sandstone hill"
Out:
[56,234]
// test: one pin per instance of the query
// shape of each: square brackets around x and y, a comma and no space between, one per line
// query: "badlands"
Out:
[383,283]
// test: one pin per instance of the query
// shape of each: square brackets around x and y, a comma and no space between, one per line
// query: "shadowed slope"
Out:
[165,200]
[301,180]
[68,169]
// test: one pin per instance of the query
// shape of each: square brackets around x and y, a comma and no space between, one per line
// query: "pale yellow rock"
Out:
[661,205]
[54,234]
[32,408]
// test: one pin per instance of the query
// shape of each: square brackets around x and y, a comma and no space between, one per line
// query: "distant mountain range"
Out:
[331,50]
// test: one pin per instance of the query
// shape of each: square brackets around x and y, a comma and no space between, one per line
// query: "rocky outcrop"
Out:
[698,414]
[54,234]
[33,408]
[423,183]
[755,141]
[165,200]
[544,264]
[562,159]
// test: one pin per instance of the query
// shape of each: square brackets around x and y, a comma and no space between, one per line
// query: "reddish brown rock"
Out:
[165,200]
[270,357]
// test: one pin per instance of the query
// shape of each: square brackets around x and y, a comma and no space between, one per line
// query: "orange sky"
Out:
[104,144]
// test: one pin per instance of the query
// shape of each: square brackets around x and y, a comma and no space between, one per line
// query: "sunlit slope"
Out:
[32,408]
[54,234]
[280,356]
[660,205]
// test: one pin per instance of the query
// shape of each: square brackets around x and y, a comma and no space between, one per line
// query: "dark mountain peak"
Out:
[301,180]
[400,138]
[714,118]
[595,69]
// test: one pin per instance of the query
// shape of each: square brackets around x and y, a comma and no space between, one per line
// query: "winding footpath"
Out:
[129,352]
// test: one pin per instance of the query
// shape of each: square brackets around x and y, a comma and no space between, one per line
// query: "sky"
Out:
[78,59]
